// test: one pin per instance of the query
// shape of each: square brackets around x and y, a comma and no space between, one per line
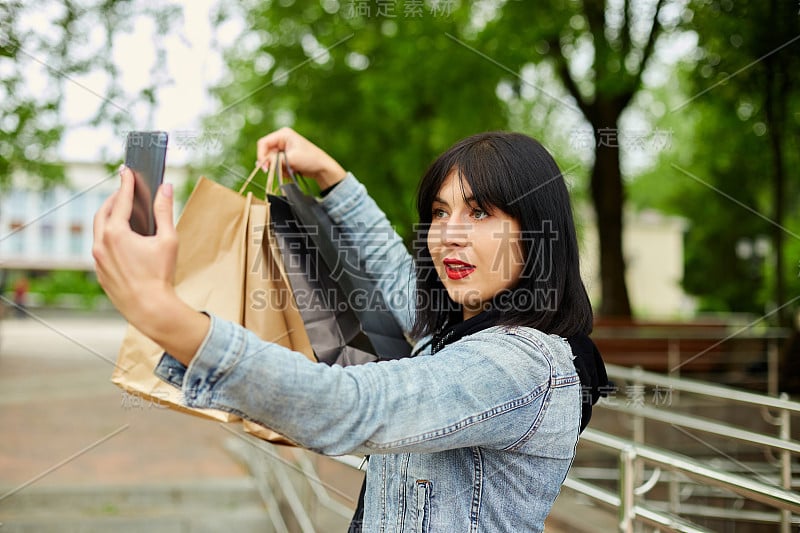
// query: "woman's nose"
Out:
[455,233]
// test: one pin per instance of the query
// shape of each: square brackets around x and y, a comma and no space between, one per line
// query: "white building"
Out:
[49,230]
[653,250]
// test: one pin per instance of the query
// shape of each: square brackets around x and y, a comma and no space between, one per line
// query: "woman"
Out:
[477,431]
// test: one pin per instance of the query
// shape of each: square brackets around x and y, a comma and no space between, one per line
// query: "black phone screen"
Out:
[145,154]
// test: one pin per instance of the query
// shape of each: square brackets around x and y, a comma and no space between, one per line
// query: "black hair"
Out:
[515,174]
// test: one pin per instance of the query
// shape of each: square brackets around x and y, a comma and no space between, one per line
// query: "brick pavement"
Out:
[56,399]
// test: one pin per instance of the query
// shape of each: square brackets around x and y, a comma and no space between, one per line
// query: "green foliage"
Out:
[384,101]
[723,176]
[600,51]
[391,93]
[49,45]
[709,186]
[80,286]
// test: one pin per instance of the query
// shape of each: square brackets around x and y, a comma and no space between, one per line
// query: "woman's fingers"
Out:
[271,144]
[123,204]
[103,213]
[302,156]
[162,210]
[99,226]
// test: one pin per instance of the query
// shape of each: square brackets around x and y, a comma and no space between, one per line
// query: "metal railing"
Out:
[632,455]
[782,443]
[294,493]
[300,501]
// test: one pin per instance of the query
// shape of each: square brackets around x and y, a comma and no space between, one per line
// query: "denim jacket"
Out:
[478,437]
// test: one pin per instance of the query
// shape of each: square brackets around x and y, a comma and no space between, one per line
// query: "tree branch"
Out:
[595,16]
[655,30]
[625,33]
[562,66]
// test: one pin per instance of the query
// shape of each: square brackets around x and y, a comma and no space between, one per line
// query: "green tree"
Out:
[394,90]
[383,91]
[736,174]
[687,183]
[52,44]
[600,50]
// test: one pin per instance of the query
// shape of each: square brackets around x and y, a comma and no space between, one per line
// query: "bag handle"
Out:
[293,176]
[270,174]
[251,176]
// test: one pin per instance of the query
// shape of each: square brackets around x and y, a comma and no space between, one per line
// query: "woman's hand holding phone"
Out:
[137,272]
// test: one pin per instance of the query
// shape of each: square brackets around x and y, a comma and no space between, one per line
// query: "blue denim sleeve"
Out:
[377,247]
[485,390]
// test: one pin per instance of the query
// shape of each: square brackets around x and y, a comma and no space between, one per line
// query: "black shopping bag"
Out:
[343,327]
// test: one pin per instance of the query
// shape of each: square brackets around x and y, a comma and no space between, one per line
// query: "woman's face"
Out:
[476,254]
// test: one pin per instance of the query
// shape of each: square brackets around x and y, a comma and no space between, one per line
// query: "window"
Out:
[16,237]
[76,238]
[47,238]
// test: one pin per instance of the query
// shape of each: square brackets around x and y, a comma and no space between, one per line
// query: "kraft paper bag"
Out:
[209,276]
[270,308]
[304,248]
[286,265]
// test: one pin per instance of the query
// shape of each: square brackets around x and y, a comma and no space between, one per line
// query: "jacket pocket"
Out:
[423,489]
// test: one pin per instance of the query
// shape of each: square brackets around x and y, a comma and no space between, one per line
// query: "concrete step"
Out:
[204,506]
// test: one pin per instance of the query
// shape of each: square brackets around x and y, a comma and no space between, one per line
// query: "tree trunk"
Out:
[777,87]
[774,106]
[608,198]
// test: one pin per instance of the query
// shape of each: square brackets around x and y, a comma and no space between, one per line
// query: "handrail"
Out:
[629,509]
[746,487]
[633,454]
[765,517]
[655,517]
[722,333]
[708,426]
[699,387]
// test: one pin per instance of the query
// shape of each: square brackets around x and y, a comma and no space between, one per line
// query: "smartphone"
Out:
[145,155]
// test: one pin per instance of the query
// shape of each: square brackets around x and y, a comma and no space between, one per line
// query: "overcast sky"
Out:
[192,66]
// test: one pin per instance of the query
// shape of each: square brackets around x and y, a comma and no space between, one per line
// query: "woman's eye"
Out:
[439,213]
[479,214]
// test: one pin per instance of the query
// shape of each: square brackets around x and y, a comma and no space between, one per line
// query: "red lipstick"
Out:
[456,269]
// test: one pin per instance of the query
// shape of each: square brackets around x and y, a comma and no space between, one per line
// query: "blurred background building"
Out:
[50,230]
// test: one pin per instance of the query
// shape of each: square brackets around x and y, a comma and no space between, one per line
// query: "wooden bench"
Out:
[687,347]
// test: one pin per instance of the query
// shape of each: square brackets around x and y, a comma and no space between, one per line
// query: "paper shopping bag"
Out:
[270,309]
[209,276]
[306,246]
